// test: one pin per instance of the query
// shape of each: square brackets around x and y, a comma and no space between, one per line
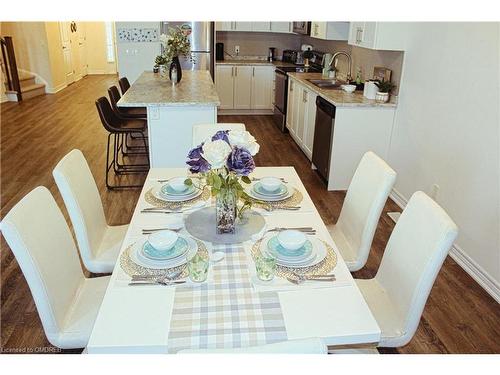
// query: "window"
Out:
[110,47]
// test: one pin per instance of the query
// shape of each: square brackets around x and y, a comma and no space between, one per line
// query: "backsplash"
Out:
[257,44]
[137,35]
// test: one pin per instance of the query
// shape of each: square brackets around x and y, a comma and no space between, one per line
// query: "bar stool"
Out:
[124,84]
[125,112]
[118,128]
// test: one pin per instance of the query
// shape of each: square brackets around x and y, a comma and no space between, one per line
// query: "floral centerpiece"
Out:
[224,161]
[174,43]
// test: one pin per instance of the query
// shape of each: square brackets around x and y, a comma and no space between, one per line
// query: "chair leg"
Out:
[117,140]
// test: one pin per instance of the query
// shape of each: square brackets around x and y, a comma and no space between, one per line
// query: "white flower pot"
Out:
[382,97]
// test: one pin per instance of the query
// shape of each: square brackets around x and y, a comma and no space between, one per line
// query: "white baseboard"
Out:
[98,72]
[483,278]
[53,90]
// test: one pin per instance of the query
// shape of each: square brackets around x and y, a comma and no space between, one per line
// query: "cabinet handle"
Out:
[291,85]
[232,71]
[236,71]
[253,71]
[304,96]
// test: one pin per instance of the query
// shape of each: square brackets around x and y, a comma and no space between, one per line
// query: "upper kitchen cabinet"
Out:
[281,27]
[330,30]
[275,27]
[378,35]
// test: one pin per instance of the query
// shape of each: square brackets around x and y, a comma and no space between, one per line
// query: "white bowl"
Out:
[177,183]
[292,239]
[270,183]
[349,88]
[163,240]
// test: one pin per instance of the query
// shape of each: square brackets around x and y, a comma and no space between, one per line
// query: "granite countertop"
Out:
[196,88]
[253,62]
[340,98]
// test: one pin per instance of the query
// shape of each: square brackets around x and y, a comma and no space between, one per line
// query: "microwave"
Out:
[302,27]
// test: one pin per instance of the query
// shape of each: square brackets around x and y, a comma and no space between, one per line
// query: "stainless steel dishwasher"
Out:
[323,132]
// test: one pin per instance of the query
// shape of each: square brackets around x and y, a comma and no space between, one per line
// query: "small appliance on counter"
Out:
[370,90]
[300,58]
[271,57]
[219,51]
[289,56]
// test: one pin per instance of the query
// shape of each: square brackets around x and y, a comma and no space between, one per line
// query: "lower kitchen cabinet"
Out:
[301,116]
[245,88]
[356,131]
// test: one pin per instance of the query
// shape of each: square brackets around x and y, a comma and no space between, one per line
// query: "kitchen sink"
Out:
[328,84]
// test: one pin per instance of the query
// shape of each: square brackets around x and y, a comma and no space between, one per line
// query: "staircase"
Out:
[29,87]
[18,85]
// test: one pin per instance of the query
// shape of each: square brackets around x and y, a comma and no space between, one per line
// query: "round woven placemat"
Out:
[294,200]
[160,203]
[322,268]
[131,268]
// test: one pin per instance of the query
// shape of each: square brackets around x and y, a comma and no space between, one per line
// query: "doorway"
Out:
[74,46]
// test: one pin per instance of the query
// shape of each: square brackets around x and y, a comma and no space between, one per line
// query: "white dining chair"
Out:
[99,243]
[41,241]
[418,245]
[202,132]
[305,346]
[365,199]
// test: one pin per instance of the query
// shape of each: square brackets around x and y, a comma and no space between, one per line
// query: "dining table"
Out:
[232,308]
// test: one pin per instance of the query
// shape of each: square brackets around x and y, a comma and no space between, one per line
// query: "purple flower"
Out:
[198,165]
[195,153]
[196,162]
[240,161]
[221,134]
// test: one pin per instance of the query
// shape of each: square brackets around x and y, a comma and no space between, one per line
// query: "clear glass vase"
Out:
[225,207]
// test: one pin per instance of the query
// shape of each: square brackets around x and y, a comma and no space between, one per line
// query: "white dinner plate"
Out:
[138,257]
[318,254]
[173,198]
[269,198]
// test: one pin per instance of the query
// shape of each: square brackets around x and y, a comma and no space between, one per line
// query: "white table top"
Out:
[137,319]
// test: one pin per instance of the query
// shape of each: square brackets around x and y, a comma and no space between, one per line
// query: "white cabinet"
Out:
[275,27]
[225,85]
[242,87]
[330,30]
[224,26]
[262,87]
[301,116]
[378,35]
[245,87]
[281,27]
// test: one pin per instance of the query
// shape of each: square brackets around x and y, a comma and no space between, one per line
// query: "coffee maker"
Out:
[219,51]
[271,57]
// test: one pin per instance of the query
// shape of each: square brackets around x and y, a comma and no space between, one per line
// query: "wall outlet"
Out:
[434,191]
[237,50]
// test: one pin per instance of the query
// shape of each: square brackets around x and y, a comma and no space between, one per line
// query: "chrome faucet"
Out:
[349,60]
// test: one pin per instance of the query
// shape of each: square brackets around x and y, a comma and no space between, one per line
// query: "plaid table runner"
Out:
[225,313]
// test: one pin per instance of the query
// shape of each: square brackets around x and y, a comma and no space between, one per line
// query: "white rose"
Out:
[216,153]
[243,139]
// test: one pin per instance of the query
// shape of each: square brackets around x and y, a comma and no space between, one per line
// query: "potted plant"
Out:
[224,161]
[174,43]
[384,89]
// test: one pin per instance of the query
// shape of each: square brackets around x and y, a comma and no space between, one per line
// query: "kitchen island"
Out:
[172,110]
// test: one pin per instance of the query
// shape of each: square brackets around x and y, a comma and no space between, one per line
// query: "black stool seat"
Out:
[124,112]
[133,112]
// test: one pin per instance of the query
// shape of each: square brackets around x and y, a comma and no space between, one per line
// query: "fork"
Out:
[147,231]
[302,279]
[271,208]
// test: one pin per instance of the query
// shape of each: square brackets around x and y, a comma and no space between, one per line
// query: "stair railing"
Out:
[9,59]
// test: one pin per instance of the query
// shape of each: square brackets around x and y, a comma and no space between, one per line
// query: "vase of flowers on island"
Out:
[224,162]
[174,44]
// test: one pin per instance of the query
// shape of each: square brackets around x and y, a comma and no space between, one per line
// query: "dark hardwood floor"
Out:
[459,317]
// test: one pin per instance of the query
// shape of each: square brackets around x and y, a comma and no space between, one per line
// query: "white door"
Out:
[64,29]
[75,49]
[309,123]
[262,87]
[224,85]
[242,87]
[82,47]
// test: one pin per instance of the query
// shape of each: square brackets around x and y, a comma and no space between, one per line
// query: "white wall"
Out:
[447,133]
[96,49]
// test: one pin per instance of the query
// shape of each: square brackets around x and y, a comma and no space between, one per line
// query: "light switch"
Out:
[154,113]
